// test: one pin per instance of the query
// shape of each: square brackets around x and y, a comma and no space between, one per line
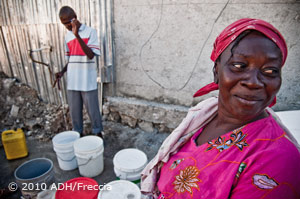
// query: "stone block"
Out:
[114,116]
[146,126]
[105,109]
[127,120]
[14,111]
[9,82]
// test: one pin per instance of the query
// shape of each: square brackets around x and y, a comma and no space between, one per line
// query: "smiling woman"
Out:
[231,146]
[249,77]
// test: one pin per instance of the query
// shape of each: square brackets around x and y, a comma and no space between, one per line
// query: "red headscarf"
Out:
[231,32]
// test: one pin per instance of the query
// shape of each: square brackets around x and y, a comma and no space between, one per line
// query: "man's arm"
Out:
[75,28]
[65,68]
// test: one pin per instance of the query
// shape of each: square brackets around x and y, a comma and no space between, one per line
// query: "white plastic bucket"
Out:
[129,163]
[120,189]
[89,155]
[63,146]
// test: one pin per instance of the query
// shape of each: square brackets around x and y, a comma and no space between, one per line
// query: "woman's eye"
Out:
[238,66]
[271,71]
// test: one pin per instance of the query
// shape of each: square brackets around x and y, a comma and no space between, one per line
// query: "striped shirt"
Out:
[82,71]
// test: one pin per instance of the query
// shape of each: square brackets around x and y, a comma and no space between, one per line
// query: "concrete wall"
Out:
[162,47]
[149,116]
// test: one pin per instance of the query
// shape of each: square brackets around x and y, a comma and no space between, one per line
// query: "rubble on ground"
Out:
[21,107]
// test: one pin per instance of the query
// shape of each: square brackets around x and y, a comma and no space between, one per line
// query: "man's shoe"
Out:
[100,135]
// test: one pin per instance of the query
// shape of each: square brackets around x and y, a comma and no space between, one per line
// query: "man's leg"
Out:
[76,105]
[90,100]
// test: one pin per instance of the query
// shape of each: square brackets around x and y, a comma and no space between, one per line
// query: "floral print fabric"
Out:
[254,161]
[236,138]
[186,180]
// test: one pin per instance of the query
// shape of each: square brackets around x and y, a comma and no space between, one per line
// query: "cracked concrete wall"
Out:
[162,47]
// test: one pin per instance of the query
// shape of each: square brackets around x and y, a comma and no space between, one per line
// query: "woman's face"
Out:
[250,78]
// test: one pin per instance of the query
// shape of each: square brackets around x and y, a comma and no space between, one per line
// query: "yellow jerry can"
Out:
[14,144]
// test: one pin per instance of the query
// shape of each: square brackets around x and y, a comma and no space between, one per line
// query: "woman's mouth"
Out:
[248,100]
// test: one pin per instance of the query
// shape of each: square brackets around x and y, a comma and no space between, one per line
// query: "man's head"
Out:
[66,14]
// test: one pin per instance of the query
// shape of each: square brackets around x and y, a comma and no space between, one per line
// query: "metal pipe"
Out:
[103,31]
[43,48]
[107,59]
[42,63]
[110,54]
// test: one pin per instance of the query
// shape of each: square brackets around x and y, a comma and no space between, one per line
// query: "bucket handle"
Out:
[90,158]
[122,176]
[66,160]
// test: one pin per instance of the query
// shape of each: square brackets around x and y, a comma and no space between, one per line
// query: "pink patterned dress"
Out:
[255,161]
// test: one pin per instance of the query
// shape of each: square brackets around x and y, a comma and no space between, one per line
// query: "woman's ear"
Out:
[215,71]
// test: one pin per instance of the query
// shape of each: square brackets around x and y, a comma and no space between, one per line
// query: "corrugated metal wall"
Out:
[32,24]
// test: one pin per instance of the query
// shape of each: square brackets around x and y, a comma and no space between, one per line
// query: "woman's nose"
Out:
[252,79]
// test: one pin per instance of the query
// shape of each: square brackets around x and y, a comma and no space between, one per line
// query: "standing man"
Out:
[81,49]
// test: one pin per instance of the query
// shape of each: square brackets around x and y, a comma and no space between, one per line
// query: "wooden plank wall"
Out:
[32,24]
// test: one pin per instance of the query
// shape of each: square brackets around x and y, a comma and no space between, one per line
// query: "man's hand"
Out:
[59,74]
[75,26]
[57,78]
